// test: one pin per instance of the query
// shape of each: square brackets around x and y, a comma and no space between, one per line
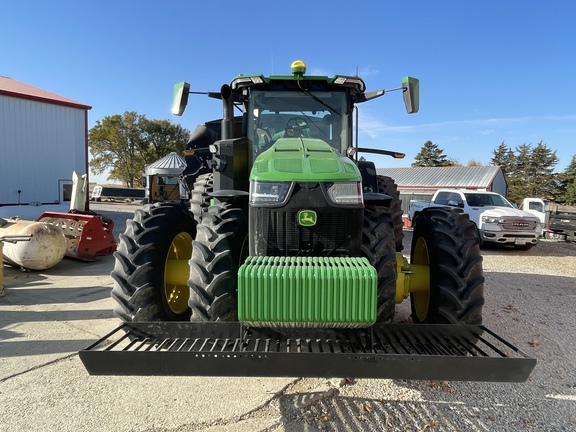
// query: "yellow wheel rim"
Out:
[176,273]
[421,299]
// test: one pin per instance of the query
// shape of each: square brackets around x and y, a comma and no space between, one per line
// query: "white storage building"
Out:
[43,140]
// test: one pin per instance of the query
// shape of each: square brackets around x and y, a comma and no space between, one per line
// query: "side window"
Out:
[67,192]
[472,200]
[442,198]
[456,198]
[535,206]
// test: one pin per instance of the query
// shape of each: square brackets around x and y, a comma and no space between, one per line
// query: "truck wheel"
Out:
[388,186]
[200,200]
[378,246]
[219,249]
[446,241]
[151,264]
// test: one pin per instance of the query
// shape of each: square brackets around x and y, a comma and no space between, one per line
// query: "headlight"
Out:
[269,193]
[345,192]
[490,219]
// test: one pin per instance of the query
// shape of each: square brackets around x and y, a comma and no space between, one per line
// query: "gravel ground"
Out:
[529,300]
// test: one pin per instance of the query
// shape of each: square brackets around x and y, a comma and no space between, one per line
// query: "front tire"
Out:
[378,246]
[388,186]
[446,241]
[219,250]
[151,264]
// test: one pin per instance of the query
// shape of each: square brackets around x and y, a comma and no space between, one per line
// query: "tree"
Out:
[504,158]
[431,155]
[569,196]
[518,183]
[567,184]
[541,172]
[528,171]
[125,144]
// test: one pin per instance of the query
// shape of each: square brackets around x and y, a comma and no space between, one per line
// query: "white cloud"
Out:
[372,126]
[319,72]
[367,71]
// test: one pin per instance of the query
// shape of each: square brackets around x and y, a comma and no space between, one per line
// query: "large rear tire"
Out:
[219,250]
[378,246]
[151,264]
[447,242]
[388,186]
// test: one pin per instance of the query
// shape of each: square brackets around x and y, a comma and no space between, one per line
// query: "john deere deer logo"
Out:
[307,217]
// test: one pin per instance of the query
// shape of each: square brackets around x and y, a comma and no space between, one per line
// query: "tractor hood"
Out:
[303,160]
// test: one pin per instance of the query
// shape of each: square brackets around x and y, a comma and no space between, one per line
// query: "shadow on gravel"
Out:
[364,414]
[441,406]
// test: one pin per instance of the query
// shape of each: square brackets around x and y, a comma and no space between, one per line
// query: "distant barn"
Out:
[420,183]
[43,140]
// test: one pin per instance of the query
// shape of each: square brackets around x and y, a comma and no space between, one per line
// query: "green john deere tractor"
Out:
[287,258]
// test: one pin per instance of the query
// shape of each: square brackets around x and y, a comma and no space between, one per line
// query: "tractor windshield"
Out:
[276,114]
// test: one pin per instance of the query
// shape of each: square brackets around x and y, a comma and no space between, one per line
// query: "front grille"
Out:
[517,224]
[276,232]
[286,237]
[524,235]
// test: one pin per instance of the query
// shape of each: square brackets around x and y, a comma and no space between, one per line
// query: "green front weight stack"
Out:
[307,292]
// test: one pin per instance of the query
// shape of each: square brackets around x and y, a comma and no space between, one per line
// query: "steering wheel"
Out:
[295,126]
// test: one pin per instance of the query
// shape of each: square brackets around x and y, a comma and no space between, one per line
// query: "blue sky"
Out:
[489,71]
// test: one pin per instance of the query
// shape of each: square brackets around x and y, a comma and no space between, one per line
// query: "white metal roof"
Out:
[171,164]
[442,177]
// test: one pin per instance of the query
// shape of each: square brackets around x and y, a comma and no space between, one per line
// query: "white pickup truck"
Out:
[497,220]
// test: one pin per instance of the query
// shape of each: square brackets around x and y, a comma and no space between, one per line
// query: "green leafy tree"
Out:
[431,155]
[124,144]
[162,137]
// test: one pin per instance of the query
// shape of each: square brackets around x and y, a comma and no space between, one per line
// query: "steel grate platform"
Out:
[399,351]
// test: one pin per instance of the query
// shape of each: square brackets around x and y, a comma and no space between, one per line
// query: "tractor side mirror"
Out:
[411,93]
[180,98]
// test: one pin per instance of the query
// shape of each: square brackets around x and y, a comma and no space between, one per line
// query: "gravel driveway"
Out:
[529,300]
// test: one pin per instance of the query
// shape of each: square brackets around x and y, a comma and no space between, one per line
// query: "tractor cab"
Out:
[293,106]
[273,115]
